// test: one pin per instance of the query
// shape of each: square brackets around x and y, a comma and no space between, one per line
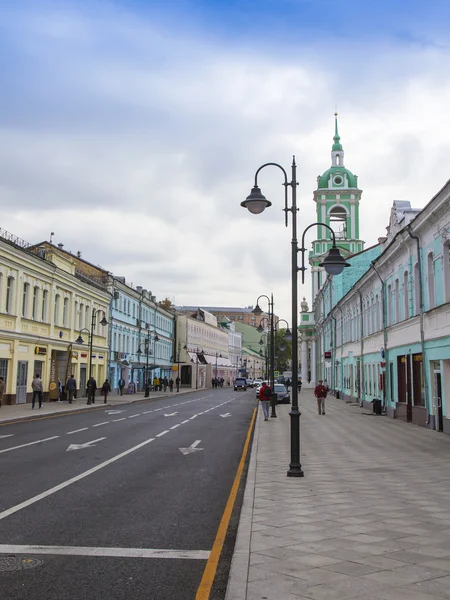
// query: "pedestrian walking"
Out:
[60,390]
[71,387]
[299,384]
[2,390]
[91,389]
[165,383]
[106,388]
[38,390]
[177,382]
[155,383]
[265,394]
[171,385]
[320,392]
[121,384]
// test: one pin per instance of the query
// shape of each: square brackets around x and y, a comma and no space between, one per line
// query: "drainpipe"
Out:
[386,391]
[422,331]
[361,361]
[342,349]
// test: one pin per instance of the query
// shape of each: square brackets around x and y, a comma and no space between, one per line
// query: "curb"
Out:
[240,563]
[37,415]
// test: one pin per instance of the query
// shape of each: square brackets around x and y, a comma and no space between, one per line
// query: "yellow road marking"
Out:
[209,573]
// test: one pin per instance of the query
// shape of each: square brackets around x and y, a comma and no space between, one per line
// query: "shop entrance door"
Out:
[21,389]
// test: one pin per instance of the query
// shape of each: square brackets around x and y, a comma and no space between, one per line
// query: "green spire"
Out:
[337,140]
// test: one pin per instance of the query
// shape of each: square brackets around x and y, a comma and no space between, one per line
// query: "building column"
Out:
[304,360]
[313,362]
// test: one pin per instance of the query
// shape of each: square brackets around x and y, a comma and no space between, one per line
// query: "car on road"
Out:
[257,382]
[249,382]
[240,383]
[283,396]
[258,387]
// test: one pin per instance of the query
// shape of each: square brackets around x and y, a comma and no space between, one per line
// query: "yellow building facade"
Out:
[47,297]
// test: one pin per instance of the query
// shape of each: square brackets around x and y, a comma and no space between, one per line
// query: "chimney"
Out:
[139,289]
[79,254]
[60,246]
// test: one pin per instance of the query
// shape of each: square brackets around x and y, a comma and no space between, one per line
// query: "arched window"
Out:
[405,295]
[338,221]
[81,316]
[431,282]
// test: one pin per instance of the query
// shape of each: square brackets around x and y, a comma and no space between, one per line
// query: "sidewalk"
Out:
[370,520]
[21,412]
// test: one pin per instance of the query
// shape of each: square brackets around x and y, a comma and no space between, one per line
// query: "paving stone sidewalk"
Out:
[370,520]
[20,412]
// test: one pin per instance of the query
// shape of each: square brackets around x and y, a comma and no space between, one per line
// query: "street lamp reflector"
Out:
[256,203]
[334,263]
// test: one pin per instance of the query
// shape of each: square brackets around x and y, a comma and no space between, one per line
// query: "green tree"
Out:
[283,351]
[166,304]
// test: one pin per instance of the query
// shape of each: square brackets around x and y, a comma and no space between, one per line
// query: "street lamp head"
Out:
[260,329]
[103,322]
[334,263]
[288,334]
[281,348]
[139,351]
[261,342]
[257,310]
[156,338]
[79,340]
[256,203]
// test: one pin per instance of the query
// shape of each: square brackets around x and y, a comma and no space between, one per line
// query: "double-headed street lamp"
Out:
[334,264]
[90,332]
[148,353]
[198,351]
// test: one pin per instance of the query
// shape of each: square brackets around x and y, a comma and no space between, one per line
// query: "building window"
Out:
[56,313]
[44,306]
[65,312]
[9,295]
[397,300]
[431,286]
[405,296]
[81,317]
[26,295]
[35,303]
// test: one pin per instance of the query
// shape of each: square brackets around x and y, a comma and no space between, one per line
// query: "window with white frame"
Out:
[34,302]
[446,267]
[389,304]
[56,311]
[397,301]
[65,319]
[405,295]
[44,312]
[25,298]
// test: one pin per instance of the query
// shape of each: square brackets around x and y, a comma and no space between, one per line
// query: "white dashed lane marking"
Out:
[77,430]
[98,424]
[162,433]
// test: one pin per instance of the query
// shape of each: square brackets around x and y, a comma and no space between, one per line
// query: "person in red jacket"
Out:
[320,392]
[265,394]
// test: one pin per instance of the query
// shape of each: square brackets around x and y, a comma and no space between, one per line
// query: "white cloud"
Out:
[136,146]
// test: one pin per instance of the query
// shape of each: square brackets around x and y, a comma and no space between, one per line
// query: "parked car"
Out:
[283,396]
[258,387]
[240,383]
[257,382]
[249,382]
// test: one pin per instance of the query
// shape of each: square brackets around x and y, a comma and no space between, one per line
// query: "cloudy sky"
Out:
[133,129]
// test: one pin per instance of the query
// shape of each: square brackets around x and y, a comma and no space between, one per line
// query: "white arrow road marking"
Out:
[192,448]
[226,415]
[86,445]
[29,444]
[114,412]
[170,414]
[5,436]
[117,552]
[10,511]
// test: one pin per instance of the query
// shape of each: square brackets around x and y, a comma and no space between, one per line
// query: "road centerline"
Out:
[29,444]
[77,430]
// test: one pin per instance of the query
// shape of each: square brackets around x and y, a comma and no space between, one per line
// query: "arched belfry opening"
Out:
[338,221]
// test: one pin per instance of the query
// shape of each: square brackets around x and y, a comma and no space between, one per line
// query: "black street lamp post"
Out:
[178,357]
[147,383]
[199,350]
[334,263]
[90,332]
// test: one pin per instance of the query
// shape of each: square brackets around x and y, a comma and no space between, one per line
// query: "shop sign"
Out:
[40,350]
[327,354]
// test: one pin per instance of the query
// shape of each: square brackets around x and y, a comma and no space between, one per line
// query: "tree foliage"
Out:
[166,304]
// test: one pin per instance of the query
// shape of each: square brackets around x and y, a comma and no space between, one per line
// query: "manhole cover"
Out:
[17,563]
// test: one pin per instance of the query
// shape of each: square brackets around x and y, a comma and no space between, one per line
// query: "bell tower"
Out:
[337,198]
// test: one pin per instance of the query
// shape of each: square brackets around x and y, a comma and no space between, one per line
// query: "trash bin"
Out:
[338,394]
[376,406]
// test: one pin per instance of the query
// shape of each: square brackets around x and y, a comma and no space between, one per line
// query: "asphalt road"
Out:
[117,509]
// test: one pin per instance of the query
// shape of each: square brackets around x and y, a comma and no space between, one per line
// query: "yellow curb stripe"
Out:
[209,573]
